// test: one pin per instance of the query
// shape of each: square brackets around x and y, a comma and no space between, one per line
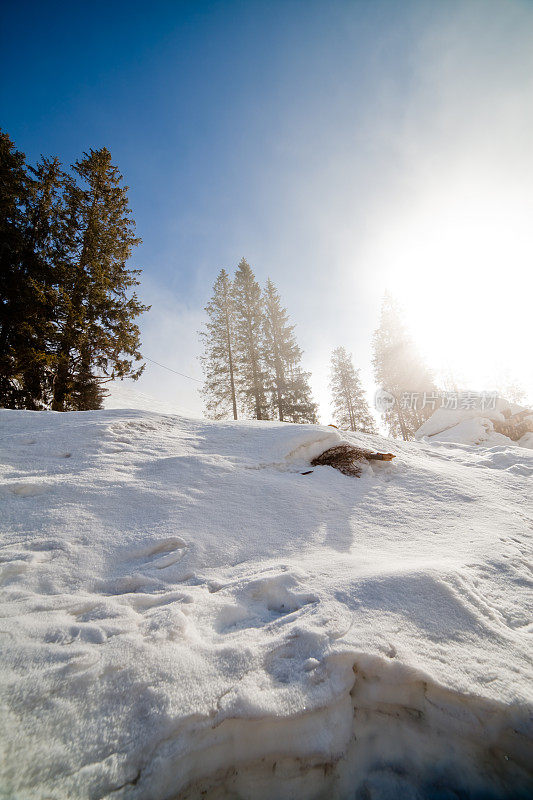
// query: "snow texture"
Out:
[186,615]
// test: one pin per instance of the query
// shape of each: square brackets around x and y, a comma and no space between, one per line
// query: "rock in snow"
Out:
[185,615]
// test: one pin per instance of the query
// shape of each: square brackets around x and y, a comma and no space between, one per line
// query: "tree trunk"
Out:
[258,412]
[61,379]
[255,377]
[349,405]
[280,381]
[280,405]
[231,377]
[402,422]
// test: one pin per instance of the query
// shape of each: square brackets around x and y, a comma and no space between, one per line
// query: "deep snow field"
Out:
[185,615]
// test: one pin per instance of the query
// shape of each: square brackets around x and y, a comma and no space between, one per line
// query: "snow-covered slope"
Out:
[125,394]
[185,615]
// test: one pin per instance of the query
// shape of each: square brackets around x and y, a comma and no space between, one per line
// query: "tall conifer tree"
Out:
[27,207]
[98,338]
[348,399]
[67,312]
[249,341]
[218,360]
[53,243]
[14,189]
[399,369]
[289,385]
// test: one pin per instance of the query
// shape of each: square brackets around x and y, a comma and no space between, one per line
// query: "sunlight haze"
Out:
[344,149]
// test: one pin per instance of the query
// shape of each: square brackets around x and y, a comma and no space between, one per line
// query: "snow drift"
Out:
[185,615]
[473,426]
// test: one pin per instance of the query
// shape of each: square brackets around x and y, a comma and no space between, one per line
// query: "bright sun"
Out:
[463,272]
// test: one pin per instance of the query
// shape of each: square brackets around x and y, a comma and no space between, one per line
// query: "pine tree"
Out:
[87,393]
[26,283]
[66,312]
[399,369]
[249,341]
[13,252]
[289,385]
[218,360]
[97,338]
[52,242]
[349,403]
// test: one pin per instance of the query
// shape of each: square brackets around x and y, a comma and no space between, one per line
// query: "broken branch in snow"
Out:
[347,458]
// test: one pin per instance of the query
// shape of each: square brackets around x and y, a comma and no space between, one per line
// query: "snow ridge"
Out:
[185,615]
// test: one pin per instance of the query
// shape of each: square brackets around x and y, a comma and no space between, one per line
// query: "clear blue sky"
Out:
[200,104]
[282,131]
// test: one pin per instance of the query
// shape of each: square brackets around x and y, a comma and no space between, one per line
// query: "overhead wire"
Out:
[183,375]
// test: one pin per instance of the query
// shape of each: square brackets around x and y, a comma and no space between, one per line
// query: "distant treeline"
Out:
[252,363]
[68,312]
[67,309]
[251,360]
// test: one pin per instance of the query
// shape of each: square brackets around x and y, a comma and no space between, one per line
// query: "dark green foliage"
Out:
[26,291]
[97,337]
[67,313]
[288,384]
[350,406]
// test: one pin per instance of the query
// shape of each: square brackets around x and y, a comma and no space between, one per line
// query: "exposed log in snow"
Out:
[348,459]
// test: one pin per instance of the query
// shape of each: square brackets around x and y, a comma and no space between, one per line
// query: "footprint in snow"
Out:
[24,489]
[14,564]
[143,603]
[266,599]
[280,593]
[85,633]
[520,469]
[164,553]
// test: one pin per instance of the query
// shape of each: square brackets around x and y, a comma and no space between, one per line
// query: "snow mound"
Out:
[471,426]
[186,615]
[526,440]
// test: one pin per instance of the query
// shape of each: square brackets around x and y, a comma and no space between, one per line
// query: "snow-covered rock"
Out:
[444,419]
[471,426]
[186,615]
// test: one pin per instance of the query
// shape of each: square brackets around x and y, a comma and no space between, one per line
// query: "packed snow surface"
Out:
[186,615]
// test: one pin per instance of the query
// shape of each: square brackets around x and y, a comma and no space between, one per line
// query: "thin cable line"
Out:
[183,375]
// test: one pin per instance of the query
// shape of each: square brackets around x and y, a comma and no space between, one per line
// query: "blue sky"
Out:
[314,138]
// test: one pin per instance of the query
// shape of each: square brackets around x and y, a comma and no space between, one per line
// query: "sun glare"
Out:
[462,272]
